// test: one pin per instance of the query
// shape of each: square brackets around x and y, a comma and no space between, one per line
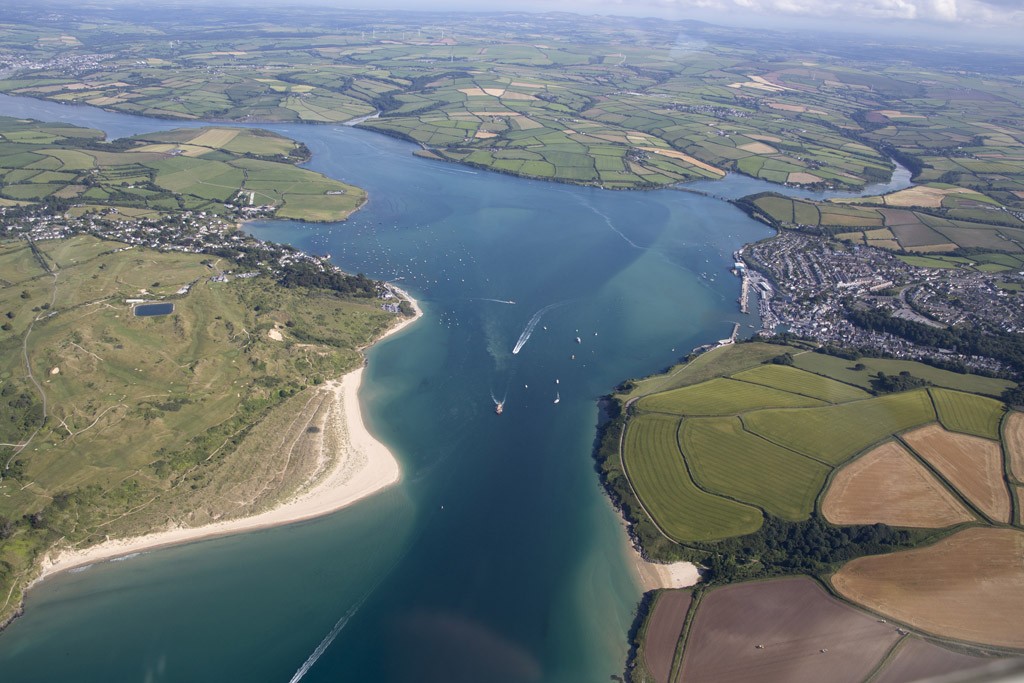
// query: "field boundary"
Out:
[629,479]
[949,485]
[682,454]
[684,635]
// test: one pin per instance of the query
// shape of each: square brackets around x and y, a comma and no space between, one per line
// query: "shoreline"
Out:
[337,489]
[651,576]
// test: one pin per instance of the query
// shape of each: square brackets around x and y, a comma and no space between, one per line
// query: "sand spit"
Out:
[363,467]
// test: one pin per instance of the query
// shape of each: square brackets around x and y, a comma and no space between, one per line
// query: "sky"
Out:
[979,18]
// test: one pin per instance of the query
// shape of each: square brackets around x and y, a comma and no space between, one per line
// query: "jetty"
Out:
[739,269]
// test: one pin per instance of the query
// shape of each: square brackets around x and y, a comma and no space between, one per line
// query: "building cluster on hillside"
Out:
[815,283]
[187,231]
[71,64]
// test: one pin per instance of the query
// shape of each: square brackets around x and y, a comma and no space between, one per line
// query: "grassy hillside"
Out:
[103,413]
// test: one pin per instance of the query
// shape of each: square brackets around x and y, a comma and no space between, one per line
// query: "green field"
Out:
[768,435]
[732,462]
[721,361]
[719,429]
[659,474]
[836,433]
[721,396]
[968,413]
[573,100]
[903,229]
[844,370]
[220,171]
[799,382]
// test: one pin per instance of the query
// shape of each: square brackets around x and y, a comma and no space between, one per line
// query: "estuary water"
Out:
[497,558]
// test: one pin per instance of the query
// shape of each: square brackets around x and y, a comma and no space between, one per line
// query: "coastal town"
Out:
[189,232]
[807,286]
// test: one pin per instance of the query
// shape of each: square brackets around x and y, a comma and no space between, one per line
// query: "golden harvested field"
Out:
[920,195]
[801,177]
[215,137]
[758,148]
[974,466]
[933,248]
[893,114]
[1013,437]
[969,586]
[788,107]
[683,157]
[888,485]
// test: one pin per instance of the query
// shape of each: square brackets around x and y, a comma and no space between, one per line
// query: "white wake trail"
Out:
[608,221]
[497,301]
[525,336]
[328,639]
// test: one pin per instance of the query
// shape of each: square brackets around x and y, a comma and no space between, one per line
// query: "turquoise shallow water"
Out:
[498,557]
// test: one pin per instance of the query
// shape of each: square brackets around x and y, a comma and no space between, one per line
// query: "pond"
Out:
[154,309]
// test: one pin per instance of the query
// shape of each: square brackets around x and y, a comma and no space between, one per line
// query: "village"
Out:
[190,232]
[807,285]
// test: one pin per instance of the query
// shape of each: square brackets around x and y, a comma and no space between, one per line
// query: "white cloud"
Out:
[998,12]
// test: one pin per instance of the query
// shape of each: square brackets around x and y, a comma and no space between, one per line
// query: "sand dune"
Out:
[363,467]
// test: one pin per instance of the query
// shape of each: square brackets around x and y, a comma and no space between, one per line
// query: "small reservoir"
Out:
[154,309]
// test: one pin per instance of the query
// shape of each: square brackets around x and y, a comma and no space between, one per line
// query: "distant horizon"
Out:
[960,21]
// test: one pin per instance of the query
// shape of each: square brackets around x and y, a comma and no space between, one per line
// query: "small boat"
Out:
[557,397]
[498,408]
[556,381]
[578,340]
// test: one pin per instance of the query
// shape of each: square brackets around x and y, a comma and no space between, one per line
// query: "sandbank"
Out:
[363,467]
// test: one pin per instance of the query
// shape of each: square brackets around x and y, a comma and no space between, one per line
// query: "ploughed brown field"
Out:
[808,636]
[916,659]
[1020,505]
[972,464]
[664,627]
[968,586]
[1013,437]
[890,486]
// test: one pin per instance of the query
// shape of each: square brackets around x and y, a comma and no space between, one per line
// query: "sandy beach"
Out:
[363,467]
[652,575]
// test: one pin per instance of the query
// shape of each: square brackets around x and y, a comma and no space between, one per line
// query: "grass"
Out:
[724,360]
[729,461]
[722,396]
[843,370]
[198,169]
[800,382]
[967,413]
[661,480]
[136,405]
[836,433]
